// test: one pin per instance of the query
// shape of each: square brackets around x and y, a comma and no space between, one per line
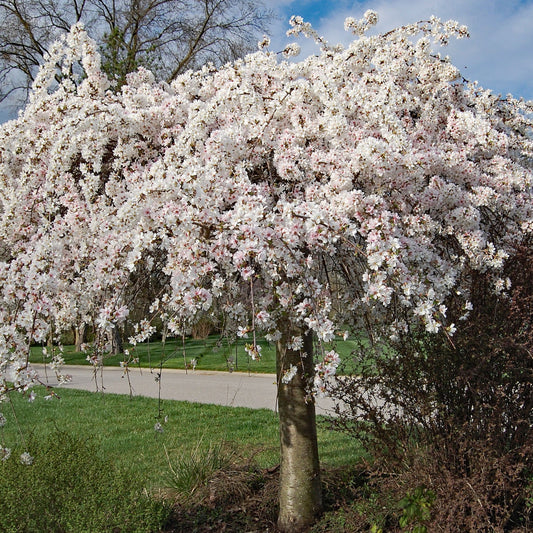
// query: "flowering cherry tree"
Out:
[296,198]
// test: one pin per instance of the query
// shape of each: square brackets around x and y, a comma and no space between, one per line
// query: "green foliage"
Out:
[332,522]
[70,487]
[373,509]
[212,353]
[416,509]
[119,58]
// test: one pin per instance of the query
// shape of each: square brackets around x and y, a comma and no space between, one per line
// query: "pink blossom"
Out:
[313,192]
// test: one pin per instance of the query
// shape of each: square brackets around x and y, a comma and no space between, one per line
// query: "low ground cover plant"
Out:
[223,476]
[70,487]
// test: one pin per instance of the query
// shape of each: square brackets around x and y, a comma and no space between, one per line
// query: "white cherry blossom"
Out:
[322,191]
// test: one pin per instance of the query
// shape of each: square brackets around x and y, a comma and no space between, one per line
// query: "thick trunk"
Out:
[300,495]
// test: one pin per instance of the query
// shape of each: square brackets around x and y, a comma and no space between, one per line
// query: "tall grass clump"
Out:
[69,487]
[191,469]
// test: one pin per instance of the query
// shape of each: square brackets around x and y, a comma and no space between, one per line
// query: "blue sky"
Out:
[499,53]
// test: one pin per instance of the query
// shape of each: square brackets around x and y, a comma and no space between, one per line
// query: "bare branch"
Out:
[166,36]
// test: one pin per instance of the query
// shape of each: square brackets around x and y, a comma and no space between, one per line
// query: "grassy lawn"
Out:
[211,353]
[123,429]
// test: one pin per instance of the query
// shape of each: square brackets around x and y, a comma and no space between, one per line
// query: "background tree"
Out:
[167,36]
[264,180]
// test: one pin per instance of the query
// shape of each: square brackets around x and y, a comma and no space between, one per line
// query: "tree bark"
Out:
[300,497]
[80,336]
[117,346]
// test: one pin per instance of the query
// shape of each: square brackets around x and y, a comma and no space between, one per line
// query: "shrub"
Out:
[455,414]
[69,487]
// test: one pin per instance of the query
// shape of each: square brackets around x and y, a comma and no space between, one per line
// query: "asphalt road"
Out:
[236,389]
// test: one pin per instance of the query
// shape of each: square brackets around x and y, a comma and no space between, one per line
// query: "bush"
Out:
[69,487]
[455,415]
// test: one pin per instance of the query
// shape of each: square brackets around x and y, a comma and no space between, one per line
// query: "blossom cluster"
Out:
[325,372]
[321,191]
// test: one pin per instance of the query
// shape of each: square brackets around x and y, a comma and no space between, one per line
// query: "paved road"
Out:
[236,389]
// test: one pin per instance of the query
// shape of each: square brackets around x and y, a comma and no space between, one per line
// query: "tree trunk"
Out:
[300,497]
[117,346]
[80,337]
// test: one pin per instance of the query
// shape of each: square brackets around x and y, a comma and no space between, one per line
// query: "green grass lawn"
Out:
[211,353]
[123,429]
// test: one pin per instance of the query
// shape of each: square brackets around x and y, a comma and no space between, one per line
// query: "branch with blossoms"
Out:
[374,157]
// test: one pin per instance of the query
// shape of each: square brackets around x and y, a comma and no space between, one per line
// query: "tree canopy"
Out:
[375,160]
